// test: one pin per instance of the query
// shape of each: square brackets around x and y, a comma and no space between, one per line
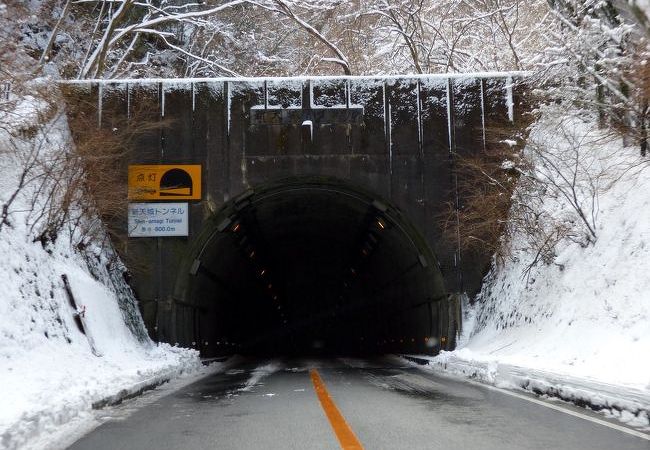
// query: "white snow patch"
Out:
[259,374]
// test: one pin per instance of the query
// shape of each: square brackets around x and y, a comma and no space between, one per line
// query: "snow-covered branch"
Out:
[284,8]
[121,25]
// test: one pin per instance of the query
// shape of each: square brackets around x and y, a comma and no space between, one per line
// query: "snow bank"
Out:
[48,372]
[579,325]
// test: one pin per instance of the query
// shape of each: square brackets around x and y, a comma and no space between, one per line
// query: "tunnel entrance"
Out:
[311,265]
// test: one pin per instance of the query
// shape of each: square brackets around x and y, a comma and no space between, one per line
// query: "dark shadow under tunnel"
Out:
[312,265]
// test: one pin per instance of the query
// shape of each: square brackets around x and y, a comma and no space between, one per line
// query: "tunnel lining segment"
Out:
[380,206]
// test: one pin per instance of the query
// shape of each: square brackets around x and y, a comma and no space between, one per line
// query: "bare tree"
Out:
[150,20]
[451,35]
[284,8]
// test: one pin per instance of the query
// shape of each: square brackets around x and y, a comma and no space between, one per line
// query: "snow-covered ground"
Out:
[576,327]
[50,372]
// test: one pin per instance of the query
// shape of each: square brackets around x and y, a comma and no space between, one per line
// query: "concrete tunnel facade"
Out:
[318,227]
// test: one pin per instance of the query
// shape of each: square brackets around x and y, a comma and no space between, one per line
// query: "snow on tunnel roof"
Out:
[437,76]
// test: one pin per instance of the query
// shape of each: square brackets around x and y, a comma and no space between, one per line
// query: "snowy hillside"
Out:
[50,372]
[585,313]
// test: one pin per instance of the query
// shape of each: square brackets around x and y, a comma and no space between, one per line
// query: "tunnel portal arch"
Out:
[311,264]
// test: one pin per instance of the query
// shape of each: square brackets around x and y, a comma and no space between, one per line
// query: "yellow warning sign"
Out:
[165,182]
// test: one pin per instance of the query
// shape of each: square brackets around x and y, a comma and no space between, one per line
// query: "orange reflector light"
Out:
[236,228]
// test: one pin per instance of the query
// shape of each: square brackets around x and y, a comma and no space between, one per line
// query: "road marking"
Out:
[343,432]
[604,423]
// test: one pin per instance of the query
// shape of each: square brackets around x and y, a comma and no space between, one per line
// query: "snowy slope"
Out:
[585,315]
[48,372]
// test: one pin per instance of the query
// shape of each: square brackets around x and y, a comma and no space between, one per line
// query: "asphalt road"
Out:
[385,405]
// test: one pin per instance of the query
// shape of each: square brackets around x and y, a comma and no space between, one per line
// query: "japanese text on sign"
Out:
[165,182]
[158,219]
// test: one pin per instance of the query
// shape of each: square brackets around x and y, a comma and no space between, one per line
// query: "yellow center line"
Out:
[343,432]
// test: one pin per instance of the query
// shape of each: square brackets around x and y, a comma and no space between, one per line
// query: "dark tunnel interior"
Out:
[313,266]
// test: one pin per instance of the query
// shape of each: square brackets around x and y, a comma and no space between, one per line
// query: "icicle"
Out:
[384,97]
[100,94]
[417,100]
[228,105]
[193,98]
[390,138]
[449,114]
[162,100]
[483,113]
[266,95]
[128,101]
[348,98]
[509,100]
[457,218]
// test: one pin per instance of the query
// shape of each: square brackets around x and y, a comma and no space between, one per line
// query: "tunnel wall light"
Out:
[379,206]
[194,269]
[423,261]
[243,200]
[225,223]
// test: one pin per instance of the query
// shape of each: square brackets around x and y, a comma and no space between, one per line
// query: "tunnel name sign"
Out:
[158,219]
[165,182]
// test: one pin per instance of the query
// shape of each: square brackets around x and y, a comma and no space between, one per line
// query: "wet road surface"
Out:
[273,404]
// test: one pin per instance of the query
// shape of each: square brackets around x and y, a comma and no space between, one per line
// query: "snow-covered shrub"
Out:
[567,164]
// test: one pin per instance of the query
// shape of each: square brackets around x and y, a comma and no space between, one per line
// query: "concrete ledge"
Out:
[149,384]
[131,392]
[421,360]
[208,361]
